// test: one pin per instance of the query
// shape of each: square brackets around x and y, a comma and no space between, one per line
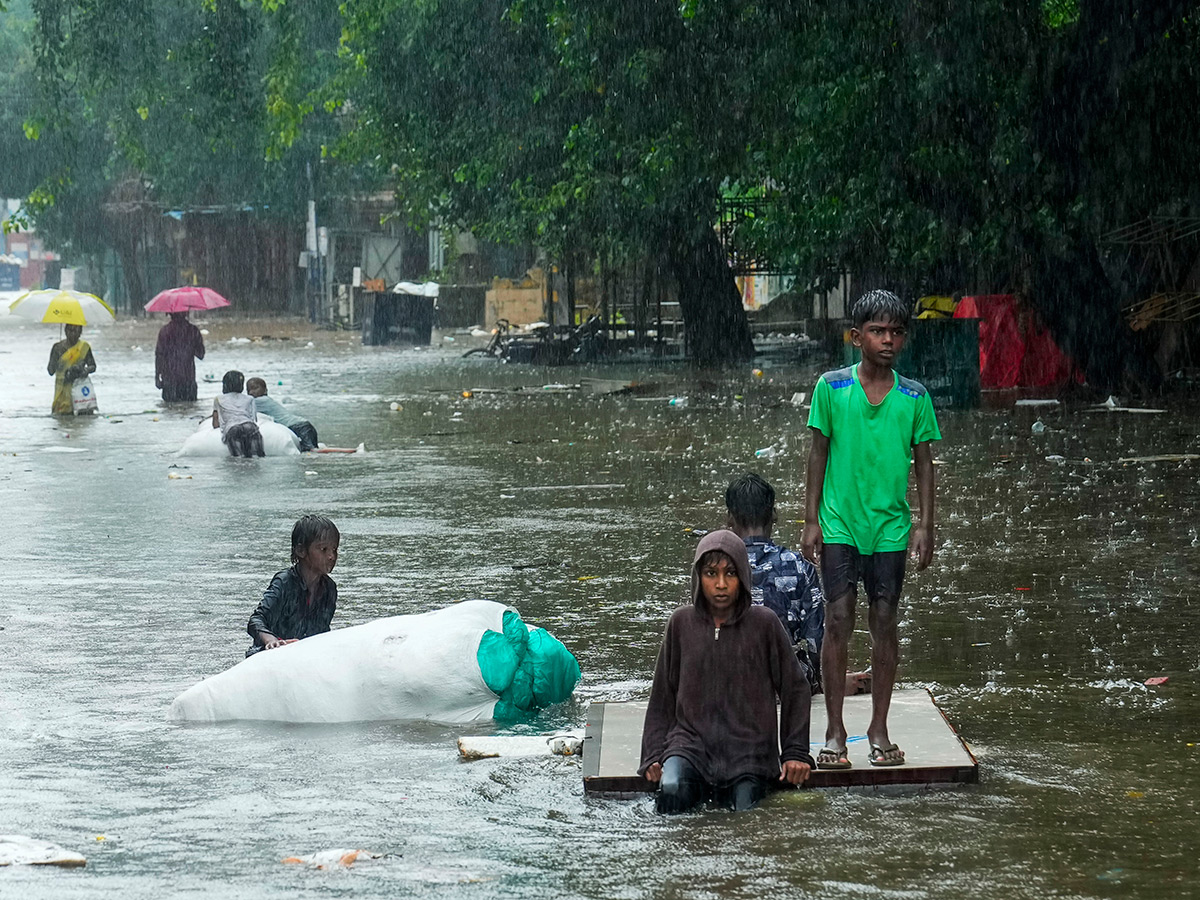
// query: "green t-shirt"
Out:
[865,499]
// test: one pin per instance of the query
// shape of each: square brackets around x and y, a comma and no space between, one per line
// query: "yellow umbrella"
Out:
[62,307]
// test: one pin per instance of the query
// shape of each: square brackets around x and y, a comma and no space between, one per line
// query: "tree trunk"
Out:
[124,239]
[714,322]
[1075,299]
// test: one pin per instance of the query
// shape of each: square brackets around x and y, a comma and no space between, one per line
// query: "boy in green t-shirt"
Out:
[869,425]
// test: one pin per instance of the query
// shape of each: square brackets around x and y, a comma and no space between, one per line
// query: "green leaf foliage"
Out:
[183,97]
[932,145]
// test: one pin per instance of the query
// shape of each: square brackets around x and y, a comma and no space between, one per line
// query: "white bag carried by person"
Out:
[83,396]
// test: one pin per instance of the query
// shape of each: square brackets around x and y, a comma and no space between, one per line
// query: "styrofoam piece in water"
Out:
[18,850]
[567,743]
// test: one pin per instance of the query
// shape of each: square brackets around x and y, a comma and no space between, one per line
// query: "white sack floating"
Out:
[206,440]
[471,661]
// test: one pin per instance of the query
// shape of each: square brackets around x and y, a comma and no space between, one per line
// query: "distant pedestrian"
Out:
[269,406]
[180,344]
[233,413]
[70,360]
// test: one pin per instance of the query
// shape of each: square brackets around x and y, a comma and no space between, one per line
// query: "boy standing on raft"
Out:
[869,426]
[711,730]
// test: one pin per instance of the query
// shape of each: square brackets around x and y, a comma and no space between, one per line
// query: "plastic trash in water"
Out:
[326,859]
[766,453]
[395,407]
[566,745]
[678,401]
[757,373]
[798,398]
[1038,427]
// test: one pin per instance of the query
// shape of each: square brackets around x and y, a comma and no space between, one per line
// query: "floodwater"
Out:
[1060,585]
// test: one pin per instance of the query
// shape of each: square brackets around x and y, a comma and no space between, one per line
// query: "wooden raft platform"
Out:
[934,752]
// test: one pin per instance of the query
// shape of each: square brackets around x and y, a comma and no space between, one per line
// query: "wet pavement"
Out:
[1064,579]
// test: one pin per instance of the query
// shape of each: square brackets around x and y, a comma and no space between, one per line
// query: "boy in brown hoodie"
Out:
[711,730]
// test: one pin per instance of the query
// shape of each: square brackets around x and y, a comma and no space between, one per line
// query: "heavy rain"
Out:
[649,222]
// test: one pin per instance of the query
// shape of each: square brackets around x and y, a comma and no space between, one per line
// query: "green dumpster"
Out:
[942,354]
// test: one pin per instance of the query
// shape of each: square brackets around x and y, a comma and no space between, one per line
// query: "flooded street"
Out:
[1063,580]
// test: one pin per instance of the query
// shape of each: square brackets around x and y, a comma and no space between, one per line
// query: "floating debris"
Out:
[329,859]
[1162,457]
[17,850]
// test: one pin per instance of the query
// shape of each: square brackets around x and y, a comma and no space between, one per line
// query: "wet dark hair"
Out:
[251,382]
[233,382]
[750,501]
[712,557]
[880,306]
[309,529]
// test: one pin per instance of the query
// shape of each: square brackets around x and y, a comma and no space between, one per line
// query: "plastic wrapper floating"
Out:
[472,661]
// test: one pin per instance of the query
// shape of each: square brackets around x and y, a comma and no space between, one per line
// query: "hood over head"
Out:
[733,547]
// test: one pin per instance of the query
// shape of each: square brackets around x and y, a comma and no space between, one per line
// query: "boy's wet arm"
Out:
[922,536]
[923,467]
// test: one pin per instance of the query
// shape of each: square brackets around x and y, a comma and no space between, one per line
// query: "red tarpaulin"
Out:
[1014,349]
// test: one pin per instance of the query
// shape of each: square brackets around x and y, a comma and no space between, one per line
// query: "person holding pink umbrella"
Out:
[179,342]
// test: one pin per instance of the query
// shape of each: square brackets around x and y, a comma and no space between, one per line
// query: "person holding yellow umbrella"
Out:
[71,359]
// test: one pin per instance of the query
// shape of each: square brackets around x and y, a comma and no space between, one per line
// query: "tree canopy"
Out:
[931,145]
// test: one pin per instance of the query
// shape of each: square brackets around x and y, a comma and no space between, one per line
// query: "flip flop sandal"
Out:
[840,762]
[877,757]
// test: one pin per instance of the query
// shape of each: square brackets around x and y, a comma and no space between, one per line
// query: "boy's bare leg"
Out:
[839,625]
[882,618]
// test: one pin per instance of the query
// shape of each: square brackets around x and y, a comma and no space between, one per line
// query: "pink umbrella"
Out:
[181,299]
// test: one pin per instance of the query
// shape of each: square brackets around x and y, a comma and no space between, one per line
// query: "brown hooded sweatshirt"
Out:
[715,688]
